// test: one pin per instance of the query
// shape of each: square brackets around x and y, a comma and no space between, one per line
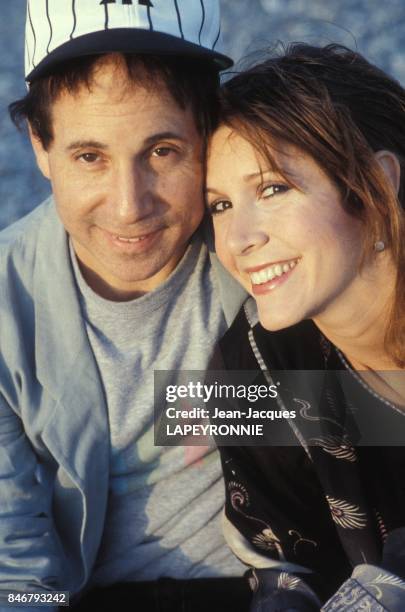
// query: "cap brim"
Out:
[126,40]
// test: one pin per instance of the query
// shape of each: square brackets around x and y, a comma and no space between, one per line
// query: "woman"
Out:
[306,191]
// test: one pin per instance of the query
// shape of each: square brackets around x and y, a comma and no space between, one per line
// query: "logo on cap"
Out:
[140,2]
[60,30]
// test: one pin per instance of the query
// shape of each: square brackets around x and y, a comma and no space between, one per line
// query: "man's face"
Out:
[125,165]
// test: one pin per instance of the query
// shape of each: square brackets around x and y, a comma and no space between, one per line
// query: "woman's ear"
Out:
[41,154]
[390,164]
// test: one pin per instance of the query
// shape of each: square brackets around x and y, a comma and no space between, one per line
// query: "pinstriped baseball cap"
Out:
[58,30]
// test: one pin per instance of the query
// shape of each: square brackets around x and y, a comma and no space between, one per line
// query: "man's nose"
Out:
[246,231]
[132,197]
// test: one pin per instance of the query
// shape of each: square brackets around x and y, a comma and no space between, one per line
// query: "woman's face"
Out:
[293,248]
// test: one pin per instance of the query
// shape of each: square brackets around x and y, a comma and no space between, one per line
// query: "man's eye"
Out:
[269,191]
[162,151]
[218,207]
[89,158]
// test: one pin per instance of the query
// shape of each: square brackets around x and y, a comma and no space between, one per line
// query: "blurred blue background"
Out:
[375,28]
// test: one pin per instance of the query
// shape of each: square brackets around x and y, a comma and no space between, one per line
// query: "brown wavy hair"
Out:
[338,108]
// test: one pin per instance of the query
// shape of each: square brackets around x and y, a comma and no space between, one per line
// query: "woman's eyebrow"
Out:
[253,175]
[246,178]
[211,190]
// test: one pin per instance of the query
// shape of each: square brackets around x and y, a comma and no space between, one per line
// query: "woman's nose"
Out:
[245,231]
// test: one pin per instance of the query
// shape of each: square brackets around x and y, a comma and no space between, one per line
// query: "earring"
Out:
[379,246]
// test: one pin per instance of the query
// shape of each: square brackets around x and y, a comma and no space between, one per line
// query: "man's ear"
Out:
[390,164]
[41,154]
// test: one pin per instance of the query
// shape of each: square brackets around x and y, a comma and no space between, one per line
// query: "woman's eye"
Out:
[269,191]
[219,207]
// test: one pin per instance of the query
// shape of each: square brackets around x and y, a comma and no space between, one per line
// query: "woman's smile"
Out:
[269,276]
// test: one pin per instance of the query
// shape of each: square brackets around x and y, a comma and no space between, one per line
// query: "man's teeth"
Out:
[267,274]
[122,239]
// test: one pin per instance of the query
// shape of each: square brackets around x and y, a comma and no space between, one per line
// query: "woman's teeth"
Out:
[267,274]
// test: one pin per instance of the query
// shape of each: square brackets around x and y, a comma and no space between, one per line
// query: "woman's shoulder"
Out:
[301,346]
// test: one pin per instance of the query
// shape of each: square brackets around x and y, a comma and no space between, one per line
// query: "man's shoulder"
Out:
[25,230]
[22,245]
[40,314]
[231,294]
[18,252]
[21,241]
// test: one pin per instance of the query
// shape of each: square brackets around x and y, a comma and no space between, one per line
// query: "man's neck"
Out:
[116,289]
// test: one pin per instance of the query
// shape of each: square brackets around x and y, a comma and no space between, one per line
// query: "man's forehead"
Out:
[109,110]
[111,72]
[110,83]
[133,103]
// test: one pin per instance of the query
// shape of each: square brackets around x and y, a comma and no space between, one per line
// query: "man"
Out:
[102,284]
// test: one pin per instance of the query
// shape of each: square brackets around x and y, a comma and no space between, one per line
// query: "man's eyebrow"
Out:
[86,144]
[95,144]
[163,136]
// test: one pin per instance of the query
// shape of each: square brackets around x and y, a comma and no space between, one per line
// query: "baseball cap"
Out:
[59,30]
